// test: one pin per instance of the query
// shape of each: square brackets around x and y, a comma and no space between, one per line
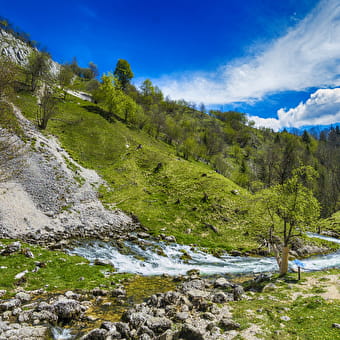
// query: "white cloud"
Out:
[307,56]
[322,108]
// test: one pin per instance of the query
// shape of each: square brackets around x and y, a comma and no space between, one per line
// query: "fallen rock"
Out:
[228,324]
[23,297]
[10,304]
[159,324]
[67,309]
[11,248]
[221,282]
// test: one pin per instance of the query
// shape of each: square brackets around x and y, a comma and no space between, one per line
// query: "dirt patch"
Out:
[328,286]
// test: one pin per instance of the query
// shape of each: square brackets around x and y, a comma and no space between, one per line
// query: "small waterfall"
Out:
[59,333]
[147,261]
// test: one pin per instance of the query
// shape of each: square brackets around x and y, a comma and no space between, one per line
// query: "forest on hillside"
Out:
[227,141]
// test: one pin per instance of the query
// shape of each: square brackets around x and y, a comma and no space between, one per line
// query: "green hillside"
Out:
[146,178]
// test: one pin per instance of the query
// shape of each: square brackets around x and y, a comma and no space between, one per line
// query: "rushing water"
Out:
[59,333]
[147,261]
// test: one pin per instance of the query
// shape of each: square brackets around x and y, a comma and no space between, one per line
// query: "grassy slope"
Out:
[170,200]
[311,315]
[60,272]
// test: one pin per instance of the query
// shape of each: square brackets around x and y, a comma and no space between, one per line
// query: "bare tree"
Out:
[47,107]
[8,72]
[11,154]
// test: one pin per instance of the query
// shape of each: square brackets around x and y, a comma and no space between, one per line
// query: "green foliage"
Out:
[8,74]
[288,209]
[116,101]
[123,73]
[171,198]
[8,119]
[37,68]
[310,317]
[64,77]
[292,203]
[85,73]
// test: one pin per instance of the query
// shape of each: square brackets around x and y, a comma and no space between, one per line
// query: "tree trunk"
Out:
[284,261]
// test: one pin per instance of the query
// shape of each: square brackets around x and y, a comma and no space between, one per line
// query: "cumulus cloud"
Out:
[306,56]
[322,108]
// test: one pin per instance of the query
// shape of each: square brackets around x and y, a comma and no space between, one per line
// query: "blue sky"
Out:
[278,61]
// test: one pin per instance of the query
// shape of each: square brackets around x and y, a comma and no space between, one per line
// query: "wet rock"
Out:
[67,309]
[118,292]
[95,334]
[24,332]
[135,319]
[2,292]
[159,324]
[101,262]
[170,238]
[143,235]
[146,330]
[123,329]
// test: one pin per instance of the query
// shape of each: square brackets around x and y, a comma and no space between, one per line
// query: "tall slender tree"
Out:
[123,73]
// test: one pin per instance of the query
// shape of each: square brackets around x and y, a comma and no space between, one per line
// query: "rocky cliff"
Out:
[53,197]
[18,51]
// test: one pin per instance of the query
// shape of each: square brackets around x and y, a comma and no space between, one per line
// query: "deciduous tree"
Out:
[47,107]
[37,68]
[287,210]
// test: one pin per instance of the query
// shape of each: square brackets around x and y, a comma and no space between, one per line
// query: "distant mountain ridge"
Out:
[314,130]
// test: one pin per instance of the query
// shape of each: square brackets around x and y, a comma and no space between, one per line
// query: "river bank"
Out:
[94,301]
[196,307]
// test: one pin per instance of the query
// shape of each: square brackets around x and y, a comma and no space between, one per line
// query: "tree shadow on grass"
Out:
[110,117]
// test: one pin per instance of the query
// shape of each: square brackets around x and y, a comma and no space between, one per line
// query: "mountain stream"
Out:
[157,258]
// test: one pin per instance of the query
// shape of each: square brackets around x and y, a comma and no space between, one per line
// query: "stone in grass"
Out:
[336,325]
[11,248]
[229,324]
[285,318]
[269,287]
